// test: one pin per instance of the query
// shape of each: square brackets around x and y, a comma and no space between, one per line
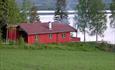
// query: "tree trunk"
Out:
[97,32]
[84,36]
[84,33]
[7,35]
[96,37]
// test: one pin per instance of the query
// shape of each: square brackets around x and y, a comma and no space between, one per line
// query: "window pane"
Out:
[50,36]
[36,37]
[63,35]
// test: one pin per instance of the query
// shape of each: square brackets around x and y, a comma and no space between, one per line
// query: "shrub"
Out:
[104,46]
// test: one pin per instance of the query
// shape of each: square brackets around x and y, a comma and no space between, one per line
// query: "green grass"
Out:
[55,59]
[79,46]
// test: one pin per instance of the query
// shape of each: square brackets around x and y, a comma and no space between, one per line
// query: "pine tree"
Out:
[60,12]
[34,17]
[112,17]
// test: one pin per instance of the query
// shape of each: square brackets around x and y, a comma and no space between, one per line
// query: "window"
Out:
[36,37]
[50,36]
[63,35]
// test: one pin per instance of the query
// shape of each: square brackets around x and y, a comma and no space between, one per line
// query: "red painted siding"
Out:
[62,40]
[31,39]
[75,39]
[12,34]
[44,38]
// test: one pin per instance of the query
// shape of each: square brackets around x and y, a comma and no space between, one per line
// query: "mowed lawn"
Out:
[27,59]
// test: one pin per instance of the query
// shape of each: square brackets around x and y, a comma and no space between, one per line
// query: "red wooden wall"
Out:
[31,39]
[12,34]
[62,40]
[44,38]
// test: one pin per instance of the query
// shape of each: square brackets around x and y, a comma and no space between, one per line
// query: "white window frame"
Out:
[63,35]
[50,36]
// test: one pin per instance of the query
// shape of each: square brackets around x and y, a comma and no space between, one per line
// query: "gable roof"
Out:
[42,28]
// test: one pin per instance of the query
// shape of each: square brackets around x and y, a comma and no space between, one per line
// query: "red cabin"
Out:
[52,32]
[12,33]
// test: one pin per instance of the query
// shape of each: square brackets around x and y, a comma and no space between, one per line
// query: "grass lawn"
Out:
[46,59]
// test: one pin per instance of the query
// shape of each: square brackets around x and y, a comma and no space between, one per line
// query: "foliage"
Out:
[60,12]
[34,14]
[97,24]
[106,47]
[13,13]
[112,17]
[3,13]
[91,17]
[82,16]
[25,10]
[29,12]
[21,41]
[79,46]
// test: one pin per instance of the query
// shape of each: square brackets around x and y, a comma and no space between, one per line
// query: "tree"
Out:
[25,10]
[9,14]
[13,13]
[97,24]
[112,17]
[82,14]
[14,16]
[3,18]
[33,14]
[3,13]
[60,12]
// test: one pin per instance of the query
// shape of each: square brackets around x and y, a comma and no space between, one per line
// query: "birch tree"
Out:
[25,10]
[97,16]
[82,16]
[112,17]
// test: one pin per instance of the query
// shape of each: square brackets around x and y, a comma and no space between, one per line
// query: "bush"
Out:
[81,46]
[104,46]
[21,41]
[73,46]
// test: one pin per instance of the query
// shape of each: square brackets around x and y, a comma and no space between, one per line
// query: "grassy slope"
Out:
[49,59]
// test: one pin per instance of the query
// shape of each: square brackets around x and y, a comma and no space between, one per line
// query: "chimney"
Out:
[50,25]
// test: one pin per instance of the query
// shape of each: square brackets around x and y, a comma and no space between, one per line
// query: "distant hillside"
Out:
[50,4]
